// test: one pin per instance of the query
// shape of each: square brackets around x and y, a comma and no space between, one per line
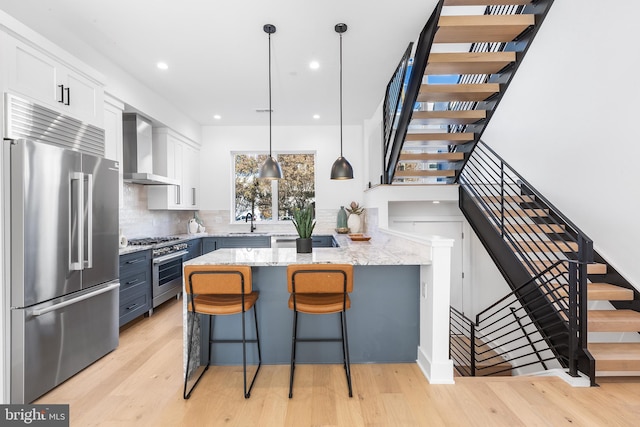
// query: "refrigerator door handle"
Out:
[79,209]
[40,312]
[89,261]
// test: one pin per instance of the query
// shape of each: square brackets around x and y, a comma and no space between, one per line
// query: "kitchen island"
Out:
[397,281]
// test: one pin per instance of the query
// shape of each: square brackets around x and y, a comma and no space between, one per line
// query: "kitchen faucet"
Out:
[246,218]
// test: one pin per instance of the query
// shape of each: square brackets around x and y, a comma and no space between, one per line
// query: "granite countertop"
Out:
[382,249]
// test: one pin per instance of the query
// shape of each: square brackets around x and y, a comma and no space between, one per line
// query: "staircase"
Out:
[566,300]
[465,59]
[527,237]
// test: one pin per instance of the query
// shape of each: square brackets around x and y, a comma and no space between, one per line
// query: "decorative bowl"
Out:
[359,237]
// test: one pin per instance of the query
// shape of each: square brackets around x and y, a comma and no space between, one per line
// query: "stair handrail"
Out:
[515,291]
[486,173]
[393,94]
[473,330]
[425,41]
[535,192]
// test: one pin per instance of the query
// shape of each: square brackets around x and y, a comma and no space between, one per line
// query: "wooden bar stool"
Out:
[216,290]
[320,289]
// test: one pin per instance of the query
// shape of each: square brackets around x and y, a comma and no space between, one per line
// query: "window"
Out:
[264,197]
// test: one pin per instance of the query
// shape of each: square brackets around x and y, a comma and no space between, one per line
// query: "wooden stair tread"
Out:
[520,212]
[481,28]
[485,2]
[534,228]
[608,291]
[613,321]
[616,356]
[552,246]
[453,138]
[488,361]
[431,157]
[448,117]
[422,173]
[598,292]
[457,92]
[509,199]
[593,268]
[468,62]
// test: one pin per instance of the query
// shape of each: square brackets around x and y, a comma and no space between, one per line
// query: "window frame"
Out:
[274,183]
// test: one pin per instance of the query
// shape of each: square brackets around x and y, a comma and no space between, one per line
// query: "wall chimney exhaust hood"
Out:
[138,152]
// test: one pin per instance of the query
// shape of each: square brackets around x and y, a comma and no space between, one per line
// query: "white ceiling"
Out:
[217,51]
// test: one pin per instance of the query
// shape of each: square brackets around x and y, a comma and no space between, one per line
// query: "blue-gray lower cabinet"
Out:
[135,285]
[383,321]
[210,244]
[194,249]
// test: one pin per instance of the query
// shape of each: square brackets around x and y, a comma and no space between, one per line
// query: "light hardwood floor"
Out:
[140,384]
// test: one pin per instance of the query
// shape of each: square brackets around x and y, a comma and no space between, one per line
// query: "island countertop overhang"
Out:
[382,249]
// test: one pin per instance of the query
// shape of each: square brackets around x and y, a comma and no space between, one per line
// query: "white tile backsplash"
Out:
[138,221]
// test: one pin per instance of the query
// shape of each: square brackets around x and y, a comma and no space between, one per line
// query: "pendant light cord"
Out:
[270,95]
[341,95]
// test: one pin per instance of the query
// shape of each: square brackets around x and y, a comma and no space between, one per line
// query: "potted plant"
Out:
[304,223]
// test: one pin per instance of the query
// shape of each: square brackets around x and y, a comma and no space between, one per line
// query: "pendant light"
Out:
[341,168]
[270,169]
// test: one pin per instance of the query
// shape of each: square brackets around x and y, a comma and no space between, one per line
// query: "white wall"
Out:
[567,123]
[219,141]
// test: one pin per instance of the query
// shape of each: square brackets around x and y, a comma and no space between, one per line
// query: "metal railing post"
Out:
[472,348]
[573,320]
[502,199]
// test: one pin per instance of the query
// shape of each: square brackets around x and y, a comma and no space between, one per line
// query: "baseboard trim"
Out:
[436,373]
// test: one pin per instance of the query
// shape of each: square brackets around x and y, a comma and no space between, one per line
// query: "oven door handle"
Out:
[169,257]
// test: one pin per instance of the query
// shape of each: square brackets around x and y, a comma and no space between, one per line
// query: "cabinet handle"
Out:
[68,90]
[193,190]
[178,195]
[61,100]
[135,261]
[132,306]
[132,282]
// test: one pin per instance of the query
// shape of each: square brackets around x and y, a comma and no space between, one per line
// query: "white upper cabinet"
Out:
[174,157]
[113,109]
[44,79]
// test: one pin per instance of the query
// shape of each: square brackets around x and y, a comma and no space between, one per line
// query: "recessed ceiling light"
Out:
[314,65]
[217,116]
[435,202]
[316,116]
[162,65]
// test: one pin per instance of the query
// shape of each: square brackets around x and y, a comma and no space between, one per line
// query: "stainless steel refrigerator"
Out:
[62,209]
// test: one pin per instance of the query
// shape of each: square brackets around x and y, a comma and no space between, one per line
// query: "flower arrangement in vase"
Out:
[354,222]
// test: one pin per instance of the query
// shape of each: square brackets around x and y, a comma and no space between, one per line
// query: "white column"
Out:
[435,290]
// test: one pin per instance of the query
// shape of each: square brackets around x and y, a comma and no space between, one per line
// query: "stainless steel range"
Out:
[167,266]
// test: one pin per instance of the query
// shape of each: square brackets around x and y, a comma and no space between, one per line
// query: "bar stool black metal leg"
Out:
[293,352]
[185,394]
[344,351]
[346,347]
[255,318]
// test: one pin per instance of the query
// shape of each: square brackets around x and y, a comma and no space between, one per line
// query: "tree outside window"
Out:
[295,190]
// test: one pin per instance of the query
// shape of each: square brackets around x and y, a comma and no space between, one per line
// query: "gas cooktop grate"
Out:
[152,240]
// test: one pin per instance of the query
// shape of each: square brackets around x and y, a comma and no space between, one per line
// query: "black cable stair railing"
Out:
[404,110]
[533,243]
[394,94]
[503,337]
